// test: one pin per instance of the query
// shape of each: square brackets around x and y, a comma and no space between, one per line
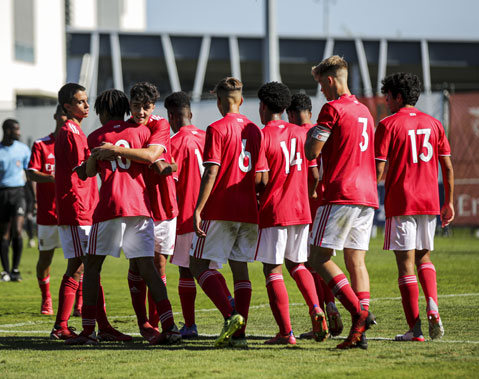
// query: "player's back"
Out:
[187,149]
[285,199]
[413,142]
[234,144]
[349,171]
[123,190]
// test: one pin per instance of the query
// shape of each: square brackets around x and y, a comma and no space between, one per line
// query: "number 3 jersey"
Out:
[349,170]
[285,200]
[123,192]
[411,142]
[234,143]
[187,150]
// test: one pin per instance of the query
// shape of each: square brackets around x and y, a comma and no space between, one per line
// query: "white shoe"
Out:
[436,330]
[5,276]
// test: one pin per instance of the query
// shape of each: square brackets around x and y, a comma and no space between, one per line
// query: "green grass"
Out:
[26,350]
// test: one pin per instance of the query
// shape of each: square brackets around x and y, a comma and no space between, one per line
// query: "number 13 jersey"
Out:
[411,142]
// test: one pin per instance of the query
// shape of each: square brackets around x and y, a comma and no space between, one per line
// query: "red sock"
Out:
[211,284]
[88,315]
[44,285]
[319,288]
[364,297]
[305,282]
[165,314]
[66,298]
[342,290]
[138,296]
[222,279]
[410,296]
[101,318]
[427,277]
[279,302]
[79,294]
[153,316]
[242,301]
[328,294]
[187,292]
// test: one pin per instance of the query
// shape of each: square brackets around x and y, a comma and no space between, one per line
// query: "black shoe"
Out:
[15,276]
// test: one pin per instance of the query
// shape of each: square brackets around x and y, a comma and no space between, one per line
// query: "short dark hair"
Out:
[300,102]
[66,93]
[177,100]
[8,123]
[114,102]
[276,96]
[407,84]
[144,92]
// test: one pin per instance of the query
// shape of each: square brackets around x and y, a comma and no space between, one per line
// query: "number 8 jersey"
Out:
[411,142]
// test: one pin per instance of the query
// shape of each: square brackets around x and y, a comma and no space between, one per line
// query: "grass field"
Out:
[27,351]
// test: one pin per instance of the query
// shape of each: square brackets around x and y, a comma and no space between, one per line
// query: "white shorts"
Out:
[165,235]
[74,240]
[280,242]
[226,240]
[48,237]
[342,226]
[181,256]
[133,234]
[410,232]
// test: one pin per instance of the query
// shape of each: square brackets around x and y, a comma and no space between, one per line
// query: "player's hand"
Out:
[105,152]
[197,225]
[447,214]
[314,195]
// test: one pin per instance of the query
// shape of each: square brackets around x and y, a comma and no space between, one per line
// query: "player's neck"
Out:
[305,120]
[76,120]
[272,117]
[6,141]
[231,108]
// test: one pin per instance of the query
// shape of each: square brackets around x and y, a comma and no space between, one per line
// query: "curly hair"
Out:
[177,100]
[145,93]
[67,92]
[408,85]
[276,96]
[300,102]
[114,102]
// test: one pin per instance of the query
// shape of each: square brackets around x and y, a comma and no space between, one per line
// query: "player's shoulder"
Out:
[156,120]
[71,127]
[22,146]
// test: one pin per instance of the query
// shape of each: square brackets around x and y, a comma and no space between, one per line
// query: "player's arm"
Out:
[313,181]
[380,164]
[40,177]
[207,182]
[161,167]
[261,180]
[447,210]
[91,167]
[316,138]
[109,152]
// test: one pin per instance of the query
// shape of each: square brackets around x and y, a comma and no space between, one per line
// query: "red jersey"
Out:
[349,170]
[76,199]
[43,160]
[123,191]
[285,198]
[411,141]
[234,143]
[160,130]
[187,150]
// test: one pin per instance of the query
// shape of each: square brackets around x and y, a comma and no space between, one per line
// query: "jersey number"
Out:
[425,143]
[244,154]
[200,161]
[292,159]
[363,145]
[118,161]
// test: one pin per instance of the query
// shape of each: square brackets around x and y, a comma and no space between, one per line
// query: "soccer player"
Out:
[122,219]
[76,198]
[226,214]
[344,136]
[41,169]
[299,113]
[14,156]
[283,233]
[413,142]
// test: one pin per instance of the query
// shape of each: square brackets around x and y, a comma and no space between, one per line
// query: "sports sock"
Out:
[66,298]
[305,282]
[328,294]
[364,297]
[165,314]
[211,285]
[242,301]
[44,285]
[427,278]
[17,247]
[341,288]
[187,293]
[4,247]
[163,277]
[138,296]
[279,302]
[153,316]
[101,318]
[222,280]
[319,288]
[79,294]
[88,316]
[410,296]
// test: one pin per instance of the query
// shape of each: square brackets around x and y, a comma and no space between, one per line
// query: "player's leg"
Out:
[356,266]
[6,217]
[43,276]
[79,294]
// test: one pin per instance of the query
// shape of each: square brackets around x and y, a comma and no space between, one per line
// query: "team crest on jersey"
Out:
[239,119]
[51,156]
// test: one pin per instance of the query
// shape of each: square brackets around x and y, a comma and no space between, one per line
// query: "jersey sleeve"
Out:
[26,158]
[160,132]
[77,151]
[178,155]
[262,162]
[444,149]
[382,138]
[213,146]
[327,119]
[35,162]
